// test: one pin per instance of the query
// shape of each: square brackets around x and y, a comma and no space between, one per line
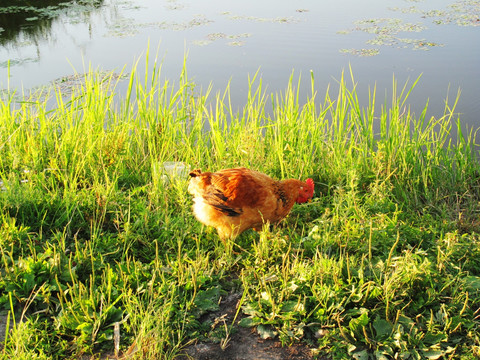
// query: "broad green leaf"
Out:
[360,355]
[359,322]
[292,306]
[433,339]
[248,309]
[472,282]
[381,356]
[247,322]
[266,332]
[382,327]
[85,328]
[207,300]
[433,354]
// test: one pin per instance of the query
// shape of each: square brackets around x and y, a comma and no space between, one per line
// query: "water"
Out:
[228,41]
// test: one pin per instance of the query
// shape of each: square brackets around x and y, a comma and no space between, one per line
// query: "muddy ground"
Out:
[244,343]
[3,325]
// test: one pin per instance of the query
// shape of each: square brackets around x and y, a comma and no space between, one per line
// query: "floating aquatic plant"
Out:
[387,26]
[174,6]
[409,10]
[216,36]
[287,19]
[122,27]
[69,83]
[418,44]
[199,20]
[462,13]
[66,86]
[361,52]
[236,43]
[386,31]
[236,40]
[18,61]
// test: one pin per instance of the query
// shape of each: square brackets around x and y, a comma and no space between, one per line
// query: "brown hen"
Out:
[234,200]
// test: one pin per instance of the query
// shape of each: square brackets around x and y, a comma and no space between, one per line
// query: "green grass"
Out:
[384,263]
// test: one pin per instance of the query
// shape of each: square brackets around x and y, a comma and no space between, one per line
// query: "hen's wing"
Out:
[231,190]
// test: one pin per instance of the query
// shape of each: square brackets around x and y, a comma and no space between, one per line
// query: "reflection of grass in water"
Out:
[30,23]
[38,11]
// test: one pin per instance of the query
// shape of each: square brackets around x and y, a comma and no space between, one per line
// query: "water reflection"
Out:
[22,20]
[229,40]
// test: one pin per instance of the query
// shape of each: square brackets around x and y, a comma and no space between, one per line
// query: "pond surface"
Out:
[227,41]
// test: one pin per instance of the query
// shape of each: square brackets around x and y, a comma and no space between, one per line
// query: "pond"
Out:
[228,41]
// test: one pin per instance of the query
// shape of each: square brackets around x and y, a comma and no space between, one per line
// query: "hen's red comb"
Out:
[310,184]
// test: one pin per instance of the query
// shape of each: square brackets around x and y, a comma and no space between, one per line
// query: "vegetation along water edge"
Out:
[101,254]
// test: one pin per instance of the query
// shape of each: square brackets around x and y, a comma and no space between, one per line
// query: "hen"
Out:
[234,200]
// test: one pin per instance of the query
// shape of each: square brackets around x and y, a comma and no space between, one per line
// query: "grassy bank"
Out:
[100,254]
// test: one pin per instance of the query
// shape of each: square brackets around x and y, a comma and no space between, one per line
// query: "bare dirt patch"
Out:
[3,329]
[243,343]
[246,345]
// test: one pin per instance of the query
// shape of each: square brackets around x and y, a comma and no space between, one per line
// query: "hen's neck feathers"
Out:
[291,187]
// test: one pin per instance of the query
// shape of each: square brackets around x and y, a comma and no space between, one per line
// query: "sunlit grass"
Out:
[101,254]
